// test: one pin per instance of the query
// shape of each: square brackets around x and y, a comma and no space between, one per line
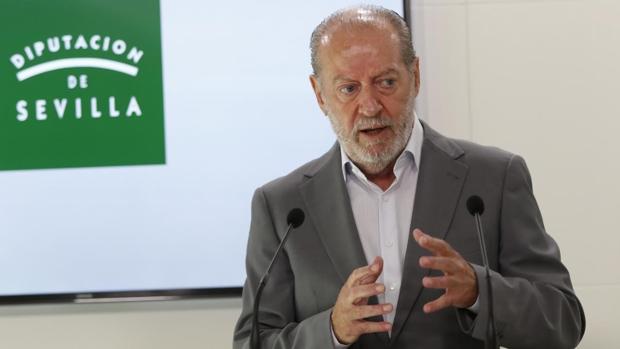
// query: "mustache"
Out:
[370,123]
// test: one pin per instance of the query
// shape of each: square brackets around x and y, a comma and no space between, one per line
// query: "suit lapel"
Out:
[327,201]
[440,181]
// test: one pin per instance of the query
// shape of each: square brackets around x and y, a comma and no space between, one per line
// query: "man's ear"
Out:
[316,86]
[416,74]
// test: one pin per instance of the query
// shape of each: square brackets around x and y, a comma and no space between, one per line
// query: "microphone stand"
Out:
[254,336]
[491,337]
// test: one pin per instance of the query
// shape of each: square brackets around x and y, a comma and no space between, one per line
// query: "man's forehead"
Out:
[351,33]
[344,45]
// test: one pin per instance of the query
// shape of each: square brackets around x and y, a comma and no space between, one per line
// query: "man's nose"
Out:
[369,103]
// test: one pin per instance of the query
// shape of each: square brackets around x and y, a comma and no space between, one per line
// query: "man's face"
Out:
[368,93]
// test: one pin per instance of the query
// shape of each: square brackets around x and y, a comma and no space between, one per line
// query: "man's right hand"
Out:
[351,308]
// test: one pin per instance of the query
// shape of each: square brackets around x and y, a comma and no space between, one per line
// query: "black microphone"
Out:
[294,219]
[475,206]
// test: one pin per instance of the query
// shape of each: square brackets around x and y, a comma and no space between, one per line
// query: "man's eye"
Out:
[347,89]
[388,83]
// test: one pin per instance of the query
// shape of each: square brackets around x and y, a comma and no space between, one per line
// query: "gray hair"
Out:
[363,15]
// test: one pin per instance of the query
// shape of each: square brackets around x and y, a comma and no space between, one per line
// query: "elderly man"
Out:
[388,255]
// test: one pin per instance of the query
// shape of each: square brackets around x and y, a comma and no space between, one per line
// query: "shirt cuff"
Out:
[474,307]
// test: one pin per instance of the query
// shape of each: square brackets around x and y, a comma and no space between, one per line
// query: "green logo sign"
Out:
[80,84]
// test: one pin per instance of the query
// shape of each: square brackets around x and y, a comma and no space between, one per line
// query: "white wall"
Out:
[534,77]
[203,324]
[540,78]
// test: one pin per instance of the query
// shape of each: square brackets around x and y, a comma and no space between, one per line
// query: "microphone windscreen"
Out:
[295,217]
[475,205]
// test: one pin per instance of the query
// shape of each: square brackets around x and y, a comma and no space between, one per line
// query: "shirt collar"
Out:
[413,147]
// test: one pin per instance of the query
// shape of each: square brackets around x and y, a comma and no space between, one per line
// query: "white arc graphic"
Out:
[77,63]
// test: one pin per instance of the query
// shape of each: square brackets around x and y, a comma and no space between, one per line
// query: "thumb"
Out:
[376,268]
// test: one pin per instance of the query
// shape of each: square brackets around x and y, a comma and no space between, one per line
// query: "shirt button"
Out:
[385,199]
[389,243]
[392,286]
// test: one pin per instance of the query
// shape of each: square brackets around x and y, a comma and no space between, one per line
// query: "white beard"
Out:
[367,159]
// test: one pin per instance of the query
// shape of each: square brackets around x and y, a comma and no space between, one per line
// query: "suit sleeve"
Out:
[279,326]
[533,299]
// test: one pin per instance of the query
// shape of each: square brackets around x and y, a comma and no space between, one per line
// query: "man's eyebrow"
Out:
[388,71]
[339,78]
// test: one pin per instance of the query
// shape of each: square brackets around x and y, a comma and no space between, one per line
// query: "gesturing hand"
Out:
[351,308]
[459,278]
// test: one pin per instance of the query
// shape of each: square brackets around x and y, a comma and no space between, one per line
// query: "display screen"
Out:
[134,133]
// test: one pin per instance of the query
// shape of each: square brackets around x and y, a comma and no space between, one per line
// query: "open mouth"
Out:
[373,131]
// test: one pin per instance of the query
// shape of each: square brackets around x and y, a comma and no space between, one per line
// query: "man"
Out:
[388,255]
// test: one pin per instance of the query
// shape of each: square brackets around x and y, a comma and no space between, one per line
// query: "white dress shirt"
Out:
[383,218]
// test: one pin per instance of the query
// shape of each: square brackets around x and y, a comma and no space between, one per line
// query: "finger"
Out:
[366,311]
[376,268]
[364,291]
[363,327]
[438,246]
[438,304]
[359,274]
[438,282]
[448,265]
[367,274]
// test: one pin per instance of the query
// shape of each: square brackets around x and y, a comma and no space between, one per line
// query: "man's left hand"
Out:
[459,278]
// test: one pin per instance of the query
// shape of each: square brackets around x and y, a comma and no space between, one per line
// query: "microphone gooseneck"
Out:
[294,219]
[475,206]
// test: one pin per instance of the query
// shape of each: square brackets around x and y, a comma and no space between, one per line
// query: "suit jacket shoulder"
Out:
[467,151]
[288,185]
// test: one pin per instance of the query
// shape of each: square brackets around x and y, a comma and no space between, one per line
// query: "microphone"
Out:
[475,206]
[294,219]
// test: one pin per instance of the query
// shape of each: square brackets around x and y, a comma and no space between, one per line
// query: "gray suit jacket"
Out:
[535,305]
